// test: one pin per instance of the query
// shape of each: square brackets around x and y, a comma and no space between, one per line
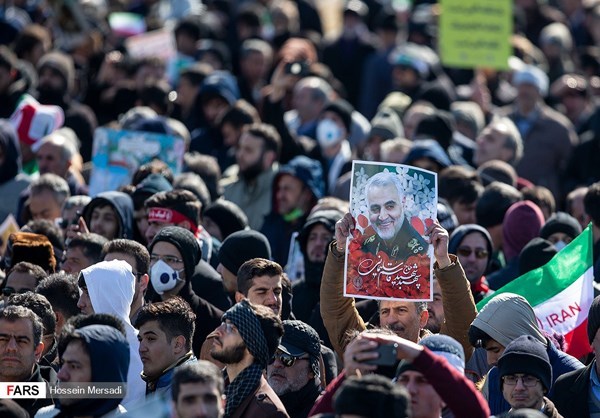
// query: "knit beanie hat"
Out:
[469,113]
[438,126]
[326,217]
[152,184]
[372,396]
[535,254]
[228,216]
[561,222]
[220,84]
[386,124]
[242,246]
[522,223]
[343,109]
[61,63]
[412,56]
[532,75]
[494,202]
[307,170]
[33,248]
[441,345]
[397,101]
[186,244]
[528,356]
[428,148]
[593,319]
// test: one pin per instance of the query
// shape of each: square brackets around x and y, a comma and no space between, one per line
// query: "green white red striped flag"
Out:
[561,292]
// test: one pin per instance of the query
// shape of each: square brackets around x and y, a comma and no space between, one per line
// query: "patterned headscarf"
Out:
[243,317]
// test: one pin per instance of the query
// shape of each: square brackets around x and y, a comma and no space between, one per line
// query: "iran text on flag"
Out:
[561,292]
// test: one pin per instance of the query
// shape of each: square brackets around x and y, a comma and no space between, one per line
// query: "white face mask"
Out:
[560,245]
[328,133]
[164,277]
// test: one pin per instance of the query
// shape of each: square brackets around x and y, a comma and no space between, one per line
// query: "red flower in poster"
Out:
[379,276]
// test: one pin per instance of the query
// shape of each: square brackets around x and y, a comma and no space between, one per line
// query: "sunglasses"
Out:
[286,359]
[7,291]
[466,251]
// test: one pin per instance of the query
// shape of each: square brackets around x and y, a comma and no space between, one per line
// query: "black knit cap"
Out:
[227,215]
[186,243]
[561,222]
[343,109]
[535,254]
[372,396]
[438,126]
[593,319]
[528,356]
[242,246]
[325,217]
[152,184]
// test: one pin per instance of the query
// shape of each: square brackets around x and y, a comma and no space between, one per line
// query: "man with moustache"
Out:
[407,319]
[245,342]
[256,156]
[394,234]
[313,240]
[435,309]
[294,372]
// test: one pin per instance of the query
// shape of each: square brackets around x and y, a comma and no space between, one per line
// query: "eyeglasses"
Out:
[7,291]
[466,251]
[228,327]
[528,381]
[286,359]
[169,259]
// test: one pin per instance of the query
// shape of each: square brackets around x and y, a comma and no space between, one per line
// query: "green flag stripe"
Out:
[563,270]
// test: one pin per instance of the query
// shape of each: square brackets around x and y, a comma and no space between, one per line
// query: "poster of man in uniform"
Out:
[388,255]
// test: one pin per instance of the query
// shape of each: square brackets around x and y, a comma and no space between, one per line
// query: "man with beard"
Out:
[245,342]
[435,308]
[294,373]
[56,85]
[394,235]
[407,319]
[256,156]
[313,240]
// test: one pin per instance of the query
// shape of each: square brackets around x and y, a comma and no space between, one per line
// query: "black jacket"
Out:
[570,394]
[208,316]
[33,405]
[208,284]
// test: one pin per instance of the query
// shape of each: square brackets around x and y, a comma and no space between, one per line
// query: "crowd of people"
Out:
[218,291]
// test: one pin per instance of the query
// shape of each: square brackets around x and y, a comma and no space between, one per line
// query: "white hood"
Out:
[110,285]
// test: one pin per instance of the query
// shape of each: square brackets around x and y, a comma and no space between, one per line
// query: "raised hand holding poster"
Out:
[388,255]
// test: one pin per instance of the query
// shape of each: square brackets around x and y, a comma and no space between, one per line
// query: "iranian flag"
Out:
[561,292]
